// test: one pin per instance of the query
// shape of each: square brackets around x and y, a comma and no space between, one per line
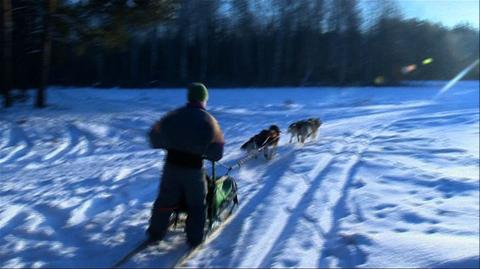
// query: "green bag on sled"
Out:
[221,200]
[222,193]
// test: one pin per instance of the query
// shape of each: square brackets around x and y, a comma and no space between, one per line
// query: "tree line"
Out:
[142,43]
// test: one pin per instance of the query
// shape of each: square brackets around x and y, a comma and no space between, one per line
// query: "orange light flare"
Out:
[408,69]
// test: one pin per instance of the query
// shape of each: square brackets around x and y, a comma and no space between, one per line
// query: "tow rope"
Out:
[240,162]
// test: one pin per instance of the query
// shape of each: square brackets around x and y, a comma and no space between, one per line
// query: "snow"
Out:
[392,181]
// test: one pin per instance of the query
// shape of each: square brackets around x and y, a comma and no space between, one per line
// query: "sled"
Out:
[221,201]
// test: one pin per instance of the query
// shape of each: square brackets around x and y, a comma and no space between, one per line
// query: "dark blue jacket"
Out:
[190,129]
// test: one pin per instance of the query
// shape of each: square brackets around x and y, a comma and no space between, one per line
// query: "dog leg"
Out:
[274,150]
[255,151]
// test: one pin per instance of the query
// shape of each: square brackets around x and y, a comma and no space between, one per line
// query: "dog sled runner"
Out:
[221,202]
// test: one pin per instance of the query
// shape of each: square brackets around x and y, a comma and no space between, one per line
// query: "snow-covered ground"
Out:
[393,179]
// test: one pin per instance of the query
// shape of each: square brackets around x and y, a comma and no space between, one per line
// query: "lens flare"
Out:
[427,61]
[408,69]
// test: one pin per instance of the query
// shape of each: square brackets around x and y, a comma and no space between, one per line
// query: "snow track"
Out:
[270,219]
[78,181]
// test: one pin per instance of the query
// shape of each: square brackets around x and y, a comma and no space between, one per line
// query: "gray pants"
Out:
[180,186]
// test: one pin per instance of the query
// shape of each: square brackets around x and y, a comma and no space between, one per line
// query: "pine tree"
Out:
[7,52]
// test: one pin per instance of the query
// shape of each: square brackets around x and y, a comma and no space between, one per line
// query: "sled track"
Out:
[19,143]
[347,254]
[255,242]
[321,205]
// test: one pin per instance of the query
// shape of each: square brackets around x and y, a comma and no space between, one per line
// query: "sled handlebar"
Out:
[213,170]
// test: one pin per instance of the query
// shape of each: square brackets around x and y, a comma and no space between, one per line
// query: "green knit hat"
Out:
[197,92]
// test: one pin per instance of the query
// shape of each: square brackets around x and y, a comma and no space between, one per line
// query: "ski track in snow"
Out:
[78,182]
[259,247]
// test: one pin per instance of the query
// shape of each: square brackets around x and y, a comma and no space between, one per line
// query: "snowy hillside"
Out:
[393,179]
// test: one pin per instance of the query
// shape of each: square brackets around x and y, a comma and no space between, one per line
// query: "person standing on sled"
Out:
[189,134]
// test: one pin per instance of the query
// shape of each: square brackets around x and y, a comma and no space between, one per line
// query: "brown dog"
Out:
[266,139]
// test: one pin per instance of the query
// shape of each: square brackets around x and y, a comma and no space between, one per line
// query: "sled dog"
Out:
[303,129]
[268,139]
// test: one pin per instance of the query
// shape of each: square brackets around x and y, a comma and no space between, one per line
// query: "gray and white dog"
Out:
[303,129]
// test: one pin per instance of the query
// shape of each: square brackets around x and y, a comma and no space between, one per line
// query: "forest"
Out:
[223,43]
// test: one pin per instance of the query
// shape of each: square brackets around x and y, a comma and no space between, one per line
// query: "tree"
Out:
[51,6]
[225,43]
[344,26]
[7,52]
[243,38]
[109,24]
